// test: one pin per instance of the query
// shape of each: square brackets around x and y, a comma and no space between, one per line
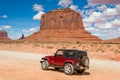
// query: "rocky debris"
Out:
[63,25]
[3,35]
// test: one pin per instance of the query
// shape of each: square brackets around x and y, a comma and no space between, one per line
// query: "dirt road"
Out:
[26,66]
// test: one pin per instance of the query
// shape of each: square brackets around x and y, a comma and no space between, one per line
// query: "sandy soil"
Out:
[26,67]
[96,51]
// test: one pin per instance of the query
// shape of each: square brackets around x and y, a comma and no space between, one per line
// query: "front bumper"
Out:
[41,60]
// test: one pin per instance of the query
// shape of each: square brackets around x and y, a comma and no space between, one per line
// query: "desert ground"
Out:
[20,61]
[26,66]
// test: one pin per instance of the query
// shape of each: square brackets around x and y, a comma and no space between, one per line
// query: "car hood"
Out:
[49,56]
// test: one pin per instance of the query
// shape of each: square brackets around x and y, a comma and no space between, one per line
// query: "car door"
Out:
[59,58]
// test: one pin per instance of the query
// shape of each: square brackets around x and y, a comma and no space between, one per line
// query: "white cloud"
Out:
[65,3]
[97,34]
[74,7]
[102,20]
[90,28]
[38,7]
[4,16]
[116,22]
[107,25]
[87,24]
[38,15]
[5,27]
[24,30]
[102,7]
[94,17]
[111,12]
[118,29]
[104,1]
[100,14]
[30,30]
[118,6]
[0,28]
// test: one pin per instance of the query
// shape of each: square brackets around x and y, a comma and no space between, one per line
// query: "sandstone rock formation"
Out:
[63,25]
[22,37]
[3,35]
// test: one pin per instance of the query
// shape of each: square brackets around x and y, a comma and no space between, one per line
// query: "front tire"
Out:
[45,65]
[68,69]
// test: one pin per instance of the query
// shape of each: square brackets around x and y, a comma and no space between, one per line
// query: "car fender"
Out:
[48,59]
[70,61]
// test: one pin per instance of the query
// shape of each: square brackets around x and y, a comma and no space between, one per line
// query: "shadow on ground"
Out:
[75,73]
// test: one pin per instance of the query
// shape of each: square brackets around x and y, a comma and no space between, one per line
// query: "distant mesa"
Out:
[3,35]
[115,39]
[63,25]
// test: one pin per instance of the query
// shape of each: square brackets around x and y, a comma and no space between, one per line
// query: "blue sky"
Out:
[100,17]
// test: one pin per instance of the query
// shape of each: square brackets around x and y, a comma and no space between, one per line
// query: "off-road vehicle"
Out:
[68,60]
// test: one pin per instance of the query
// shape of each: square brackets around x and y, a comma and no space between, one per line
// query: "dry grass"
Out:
[95,50]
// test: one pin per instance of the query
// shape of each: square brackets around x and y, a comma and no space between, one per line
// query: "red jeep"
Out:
[68,60]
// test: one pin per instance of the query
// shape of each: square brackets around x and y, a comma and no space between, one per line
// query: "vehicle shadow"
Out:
[84,73]
[61,71]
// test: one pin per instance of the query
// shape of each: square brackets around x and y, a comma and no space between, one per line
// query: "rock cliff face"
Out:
[64,25]
[3,35]
[61,19]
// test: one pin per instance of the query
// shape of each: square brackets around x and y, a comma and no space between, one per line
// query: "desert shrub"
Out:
[74,47]
[83,47]
[26,42]
[64,47]
[91,44]
[36,44]
[108,46]
[100,50]
[117,52]
[78,42]
[49,47]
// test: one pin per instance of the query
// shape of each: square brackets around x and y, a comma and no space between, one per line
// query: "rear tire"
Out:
[68,69]
[45,65]
[85,61]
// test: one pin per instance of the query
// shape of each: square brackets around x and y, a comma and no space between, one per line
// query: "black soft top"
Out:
[77,53]
[74,50]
